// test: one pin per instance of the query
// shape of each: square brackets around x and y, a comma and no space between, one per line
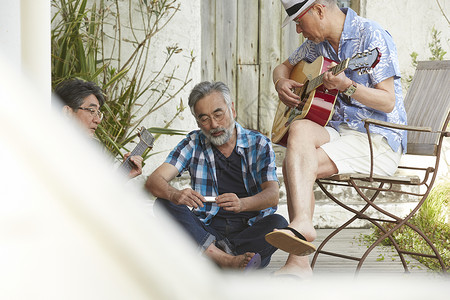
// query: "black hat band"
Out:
[295,8]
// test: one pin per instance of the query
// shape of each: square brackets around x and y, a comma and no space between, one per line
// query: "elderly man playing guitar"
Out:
[317,151]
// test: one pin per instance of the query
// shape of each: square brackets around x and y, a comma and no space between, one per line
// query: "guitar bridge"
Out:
[293,114]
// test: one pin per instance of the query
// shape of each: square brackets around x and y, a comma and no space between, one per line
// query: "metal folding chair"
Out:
[428,107]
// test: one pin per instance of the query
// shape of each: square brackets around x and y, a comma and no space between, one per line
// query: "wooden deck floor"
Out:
[382,260]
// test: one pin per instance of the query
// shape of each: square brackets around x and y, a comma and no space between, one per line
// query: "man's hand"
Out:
[230,202]
[339,82]
[137,164]
[381,97]
[285,88]
[187,197]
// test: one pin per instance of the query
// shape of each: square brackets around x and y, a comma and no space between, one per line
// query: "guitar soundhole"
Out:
[286,111]
[301,91]
[292,113]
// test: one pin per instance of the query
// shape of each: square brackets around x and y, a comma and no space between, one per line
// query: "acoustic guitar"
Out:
[317,102]
[146,141]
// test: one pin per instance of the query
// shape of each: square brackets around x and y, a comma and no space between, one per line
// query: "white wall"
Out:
[410,23]
[185,31]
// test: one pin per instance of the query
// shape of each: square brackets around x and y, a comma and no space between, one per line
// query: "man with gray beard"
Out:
[234,187]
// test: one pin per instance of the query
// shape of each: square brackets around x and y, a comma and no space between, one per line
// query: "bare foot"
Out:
[225,260]
[236,262]
[305,228]
[244,259]
[296,265]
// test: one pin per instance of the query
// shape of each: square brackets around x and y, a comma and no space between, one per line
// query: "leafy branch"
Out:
[437,52]
[98,45]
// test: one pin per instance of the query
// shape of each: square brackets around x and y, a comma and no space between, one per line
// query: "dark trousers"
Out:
[231,234]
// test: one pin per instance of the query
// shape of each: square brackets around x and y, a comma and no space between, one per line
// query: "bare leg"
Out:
[305,161]
[226,260]
[296,265]
[292,209]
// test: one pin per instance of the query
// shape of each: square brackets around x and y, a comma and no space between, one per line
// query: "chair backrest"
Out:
[427,104]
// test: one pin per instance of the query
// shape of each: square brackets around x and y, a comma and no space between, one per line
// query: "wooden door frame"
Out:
[249,78]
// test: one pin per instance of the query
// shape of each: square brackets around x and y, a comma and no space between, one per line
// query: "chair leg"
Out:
[400,222]
[431,245]
[328,238]
[387,233]
[358,215]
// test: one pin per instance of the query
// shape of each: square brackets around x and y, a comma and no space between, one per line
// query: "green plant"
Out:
[437,52]
[434,209]
[96,44]
[409,78]
[431,219]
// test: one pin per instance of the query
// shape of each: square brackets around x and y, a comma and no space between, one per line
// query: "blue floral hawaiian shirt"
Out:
[195,154]
[360,34]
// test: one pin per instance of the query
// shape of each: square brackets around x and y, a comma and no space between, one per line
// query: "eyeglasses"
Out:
[93,112]
[217,116]
[297,20]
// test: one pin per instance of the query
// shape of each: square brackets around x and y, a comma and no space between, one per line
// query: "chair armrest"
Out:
[397,126]
[368,122]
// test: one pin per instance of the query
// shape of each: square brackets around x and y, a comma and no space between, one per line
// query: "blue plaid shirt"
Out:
[360,34]
[194,154]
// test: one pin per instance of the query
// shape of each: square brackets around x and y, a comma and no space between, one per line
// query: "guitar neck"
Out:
[318,81]
[127,165]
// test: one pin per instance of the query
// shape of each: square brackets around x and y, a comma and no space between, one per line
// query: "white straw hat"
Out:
[294,8]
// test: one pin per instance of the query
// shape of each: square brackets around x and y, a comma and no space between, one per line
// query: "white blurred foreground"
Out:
[70,228]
